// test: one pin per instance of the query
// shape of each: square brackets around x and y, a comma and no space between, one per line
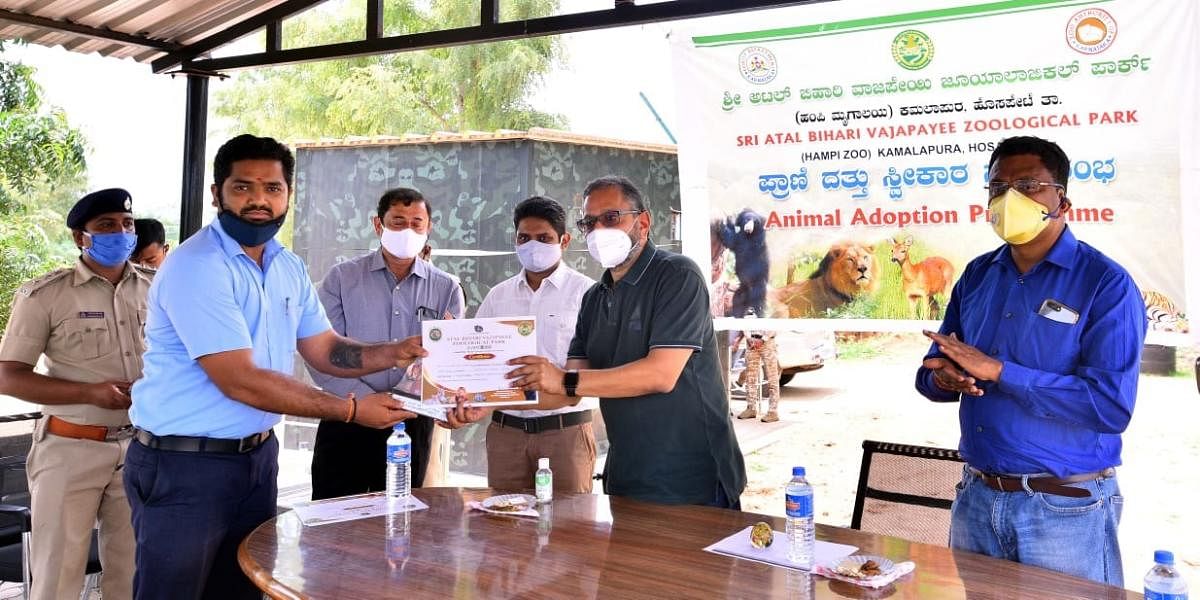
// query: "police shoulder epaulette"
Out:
[144,270]
[32,286]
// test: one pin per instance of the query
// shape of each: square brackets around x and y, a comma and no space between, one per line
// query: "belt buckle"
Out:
[530,426]
[117,434]
[249,443]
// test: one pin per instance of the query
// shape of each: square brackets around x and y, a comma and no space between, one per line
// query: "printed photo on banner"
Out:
[844,165]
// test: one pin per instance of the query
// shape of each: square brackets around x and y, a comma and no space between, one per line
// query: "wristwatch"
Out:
[570,382]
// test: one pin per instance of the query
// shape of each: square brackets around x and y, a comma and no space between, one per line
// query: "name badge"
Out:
[91,315]
[1058,312]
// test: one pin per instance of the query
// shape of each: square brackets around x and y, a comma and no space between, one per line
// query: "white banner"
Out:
[862,145]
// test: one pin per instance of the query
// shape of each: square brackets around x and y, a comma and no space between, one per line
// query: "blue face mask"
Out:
[111,249]
[249,234]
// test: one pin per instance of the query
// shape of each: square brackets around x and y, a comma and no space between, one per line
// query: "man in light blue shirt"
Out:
[227,315]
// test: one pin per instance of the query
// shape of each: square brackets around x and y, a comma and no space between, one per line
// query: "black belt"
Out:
[540,424]
[187,443]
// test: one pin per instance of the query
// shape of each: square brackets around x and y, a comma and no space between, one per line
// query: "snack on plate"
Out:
[761,535]
[863,567]
[510,505]
[870,569]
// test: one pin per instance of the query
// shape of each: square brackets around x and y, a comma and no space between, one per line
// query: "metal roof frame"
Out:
[86,31]
[193,60]
[489,29]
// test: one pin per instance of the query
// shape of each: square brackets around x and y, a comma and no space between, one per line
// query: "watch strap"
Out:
[570,382]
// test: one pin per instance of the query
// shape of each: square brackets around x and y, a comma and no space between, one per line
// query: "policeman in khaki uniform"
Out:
[87,320]
[761,353]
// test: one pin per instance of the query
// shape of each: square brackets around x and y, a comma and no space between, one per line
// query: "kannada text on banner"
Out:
[844,164]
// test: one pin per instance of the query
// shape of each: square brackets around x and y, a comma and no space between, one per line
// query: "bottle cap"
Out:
[1164,557]
[398,426]
[797,471]
[543,463]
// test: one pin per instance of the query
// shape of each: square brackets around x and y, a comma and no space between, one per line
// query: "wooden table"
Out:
[594,546]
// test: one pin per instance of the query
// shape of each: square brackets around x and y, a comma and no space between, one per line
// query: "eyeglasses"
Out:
[610,218]
[1028,187]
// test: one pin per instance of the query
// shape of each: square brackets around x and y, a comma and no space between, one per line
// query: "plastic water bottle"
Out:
[543,481]
[399,471]
[799,505]
[1164,582]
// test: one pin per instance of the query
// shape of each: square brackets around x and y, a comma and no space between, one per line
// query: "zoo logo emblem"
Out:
[435,334]
[525,328]
[757,65]
[479,329]
[912,49]
[1091,31]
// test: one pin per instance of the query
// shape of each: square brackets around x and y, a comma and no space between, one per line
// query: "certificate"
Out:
[349,508]
[472,354]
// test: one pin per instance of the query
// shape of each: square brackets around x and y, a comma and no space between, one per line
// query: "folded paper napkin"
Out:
[529,512]
[898,571]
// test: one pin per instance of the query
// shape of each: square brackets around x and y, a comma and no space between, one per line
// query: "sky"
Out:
[133,119]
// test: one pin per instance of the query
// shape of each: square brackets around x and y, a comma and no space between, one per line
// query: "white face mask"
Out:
[537,256]
[610,247]
[405,243]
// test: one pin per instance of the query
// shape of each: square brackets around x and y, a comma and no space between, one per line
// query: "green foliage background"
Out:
[476,87]
[42,173]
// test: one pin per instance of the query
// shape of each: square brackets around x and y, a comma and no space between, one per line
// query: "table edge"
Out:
[262,577]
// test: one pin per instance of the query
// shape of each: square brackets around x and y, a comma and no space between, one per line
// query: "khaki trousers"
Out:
[74,484]
[513,456]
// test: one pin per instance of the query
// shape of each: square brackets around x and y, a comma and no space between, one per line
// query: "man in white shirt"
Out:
[551,291]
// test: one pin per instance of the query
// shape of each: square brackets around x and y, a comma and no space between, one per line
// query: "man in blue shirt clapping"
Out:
[1041,344]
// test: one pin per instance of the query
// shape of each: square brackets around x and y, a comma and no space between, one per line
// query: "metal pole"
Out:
[195,131]
[658,118]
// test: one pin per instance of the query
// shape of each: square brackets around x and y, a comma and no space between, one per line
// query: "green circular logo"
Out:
[912,49]
[525,328]
[435,334]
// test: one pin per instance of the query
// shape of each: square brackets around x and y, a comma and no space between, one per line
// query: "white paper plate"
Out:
[499,503]
[851,564]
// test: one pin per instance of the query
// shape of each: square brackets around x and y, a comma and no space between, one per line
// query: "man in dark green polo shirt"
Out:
[644,345]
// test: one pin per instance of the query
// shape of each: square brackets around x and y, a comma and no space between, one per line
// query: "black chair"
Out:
[15,520]
[906,491]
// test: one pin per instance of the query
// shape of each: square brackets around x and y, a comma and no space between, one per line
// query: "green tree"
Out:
[480,87]
[42,166]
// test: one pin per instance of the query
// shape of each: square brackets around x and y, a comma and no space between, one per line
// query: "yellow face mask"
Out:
[1017,218]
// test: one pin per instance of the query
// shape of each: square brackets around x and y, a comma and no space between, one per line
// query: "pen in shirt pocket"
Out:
[287,306]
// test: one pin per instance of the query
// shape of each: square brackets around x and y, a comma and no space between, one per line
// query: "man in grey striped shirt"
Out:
[380,296]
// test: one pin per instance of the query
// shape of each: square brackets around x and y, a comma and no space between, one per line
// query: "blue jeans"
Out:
[1076,536]
[190,512]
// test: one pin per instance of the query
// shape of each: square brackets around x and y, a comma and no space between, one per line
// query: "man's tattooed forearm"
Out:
[346,356]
